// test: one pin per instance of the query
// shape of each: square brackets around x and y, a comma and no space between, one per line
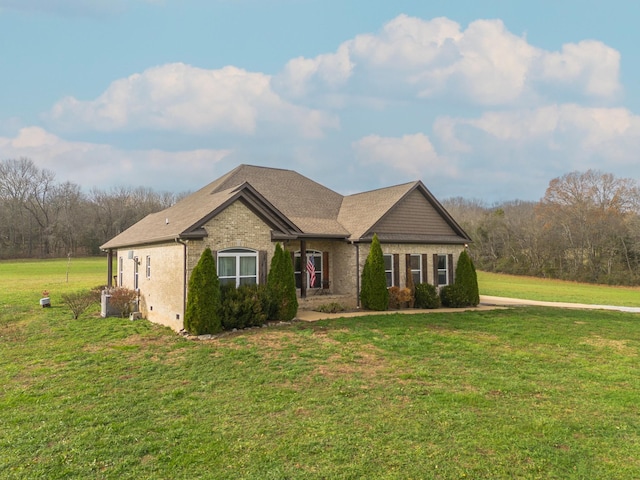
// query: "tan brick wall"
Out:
[235,227]
[161,294]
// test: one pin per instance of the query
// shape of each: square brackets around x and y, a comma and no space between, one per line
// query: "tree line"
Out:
[585,228]
[40,217]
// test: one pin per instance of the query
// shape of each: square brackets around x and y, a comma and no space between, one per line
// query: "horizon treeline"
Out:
[41,218]
[585,228]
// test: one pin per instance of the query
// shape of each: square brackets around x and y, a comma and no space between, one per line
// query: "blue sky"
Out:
[485,100]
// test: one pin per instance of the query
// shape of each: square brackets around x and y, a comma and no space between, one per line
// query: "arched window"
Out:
[238,266]
[314,270]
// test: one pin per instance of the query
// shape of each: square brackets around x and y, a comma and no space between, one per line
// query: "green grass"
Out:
[532,288]
[515,393]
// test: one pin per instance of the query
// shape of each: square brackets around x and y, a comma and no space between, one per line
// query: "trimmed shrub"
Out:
[374,294]
[78,302]
[123,300]
[453,296]
[202,315]
[400,298]
[281,286]
[394,298]
[426,296]
[243,307]
[333,307]
[467,280]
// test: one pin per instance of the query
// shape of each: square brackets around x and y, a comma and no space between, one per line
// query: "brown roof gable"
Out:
[293,206]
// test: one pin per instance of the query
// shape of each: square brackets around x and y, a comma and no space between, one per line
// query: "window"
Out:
[120,270]
[314,272]
[416,268]
[238,266]
[443,270]
[148,268]
[136,263]
[388,269]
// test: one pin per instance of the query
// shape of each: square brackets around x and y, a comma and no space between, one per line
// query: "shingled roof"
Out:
[293,205]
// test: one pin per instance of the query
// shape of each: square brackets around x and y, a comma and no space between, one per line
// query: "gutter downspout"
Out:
[184,277]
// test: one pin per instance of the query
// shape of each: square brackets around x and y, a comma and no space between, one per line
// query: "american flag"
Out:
[311,268]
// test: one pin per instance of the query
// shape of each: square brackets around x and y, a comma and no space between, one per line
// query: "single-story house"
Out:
[242,215]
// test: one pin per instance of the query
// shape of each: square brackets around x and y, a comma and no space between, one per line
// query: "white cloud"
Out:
[90,164]
[589,65]
[512,154]
[411,155]
[187,99]
[566,127]
[484,64]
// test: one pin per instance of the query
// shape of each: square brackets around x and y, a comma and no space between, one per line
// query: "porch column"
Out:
[110,268]
[303,269]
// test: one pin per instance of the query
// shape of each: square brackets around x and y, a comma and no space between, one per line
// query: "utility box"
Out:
[105,308]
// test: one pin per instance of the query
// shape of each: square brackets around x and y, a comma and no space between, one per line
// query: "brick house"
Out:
[242,215]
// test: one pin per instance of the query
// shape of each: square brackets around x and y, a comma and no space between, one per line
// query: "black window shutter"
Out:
[262,269]
[396,270]
[435,269]
[450,267]
[408,273]
[425,275]
[325,270]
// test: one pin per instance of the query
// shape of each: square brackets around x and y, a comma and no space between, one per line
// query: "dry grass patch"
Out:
[620,346]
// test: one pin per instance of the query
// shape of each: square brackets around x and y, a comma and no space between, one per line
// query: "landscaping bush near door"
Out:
[426,296]
[245,306]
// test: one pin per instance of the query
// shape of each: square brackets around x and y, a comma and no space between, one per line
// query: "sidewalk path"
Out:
[487,302]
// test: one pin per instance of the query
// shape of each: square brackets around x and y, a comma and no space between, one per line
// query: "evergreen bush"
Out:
[426,296]
[464,292]
[281,286]
[452,296]
[243,307]
[374,294]
[202,315]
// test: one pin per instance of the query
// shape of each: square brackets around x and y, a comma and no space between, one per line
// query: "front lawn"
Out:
[515,393]
[522,393]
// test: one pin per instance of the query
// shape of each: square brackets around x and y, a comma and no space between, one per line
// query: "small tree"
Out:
[464,292]
[467,279]
[78,302]
[281,286]
[123,300]
[203,302]
[374,294]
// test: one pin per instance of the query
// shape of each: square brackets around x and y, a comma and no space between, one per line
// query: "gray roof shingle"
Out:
[296,205]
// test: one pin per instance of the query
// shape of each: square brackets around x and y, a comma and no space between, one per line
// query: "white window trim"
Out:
[384,256]
[148,266]
[136,273]
[120,271]
[419,269]
[445,269]
[237,253]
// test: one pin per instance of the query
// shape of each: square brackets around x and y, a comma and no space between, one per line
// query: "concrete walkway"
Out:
[487,302]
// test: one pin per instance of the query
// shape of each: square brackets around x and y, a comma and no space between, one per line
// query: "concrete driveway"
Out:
[487,302]
[512,302]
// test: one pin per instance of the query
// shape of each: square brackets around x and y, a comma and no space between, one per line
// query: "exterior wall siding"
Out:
[414,215]
[161,294]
